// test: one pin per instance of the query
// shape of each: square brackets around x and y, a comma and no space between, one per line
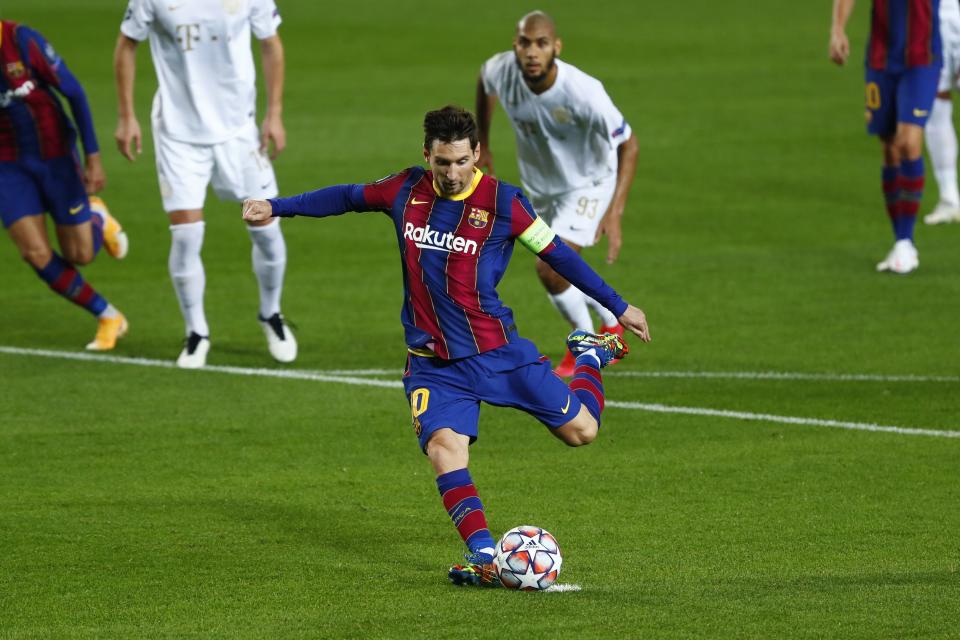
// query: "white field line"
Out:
[318,376]
[766,417]
[562,588]
[781,375]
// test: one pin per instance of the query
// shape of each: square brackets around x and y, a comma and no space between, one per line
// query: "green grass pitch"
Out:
[149,502]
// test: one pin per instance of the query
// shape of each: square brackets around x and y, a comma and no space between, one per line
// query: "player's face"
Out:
[452,164]
[536,48]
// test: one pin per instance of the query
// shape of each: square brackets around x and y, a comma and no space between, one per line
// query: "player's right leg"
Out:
[184,171]
[445,414]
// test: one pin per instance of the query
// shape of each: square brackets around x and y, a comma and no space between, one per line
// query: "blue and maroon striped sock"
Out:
[462,503]
[911,192]
[67,281]
[587,384]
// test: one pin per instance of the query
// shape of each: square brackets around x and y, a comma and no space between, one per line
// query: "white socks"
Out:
[269,264]
[942,143]
[186,271]
[572,305]
[607,319]
[109,311]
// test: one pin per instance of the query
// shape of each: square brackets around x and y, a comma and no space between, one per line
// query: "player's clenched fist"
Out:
[256,210]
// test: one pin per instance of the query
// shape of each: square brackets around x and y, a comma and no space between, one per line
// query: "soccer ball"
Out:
[527,558]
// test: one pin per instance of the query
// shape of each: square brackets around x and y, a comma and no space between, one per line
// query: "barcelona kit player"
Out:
[903,60]
[456,229]
[40,172]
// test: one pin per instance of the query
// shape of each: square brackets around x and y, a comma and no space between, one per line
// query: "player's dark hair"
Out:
[449,124]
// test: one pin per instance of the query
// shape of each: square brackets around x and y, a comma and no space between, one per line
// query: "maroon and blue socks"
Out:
[587,384]
[67,281]
[464,507]
[902,192]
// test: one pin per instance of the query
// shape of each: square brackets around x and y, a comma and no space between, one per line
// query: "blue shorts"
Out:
[901,96]
[447,393]
[32,186]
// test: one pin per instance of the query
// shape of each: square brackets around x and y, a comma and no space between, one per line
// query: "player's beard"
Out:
[542,76]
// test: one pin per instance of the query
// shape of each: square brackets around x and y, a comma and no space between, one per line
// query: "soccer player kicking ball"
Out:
[456,229]
[902,69]
[41,172]
[576,152]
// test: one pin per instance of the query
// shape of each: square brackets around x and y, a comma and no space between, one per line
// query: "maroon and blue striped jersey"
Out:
[454,253]
[33,123]
[904,33]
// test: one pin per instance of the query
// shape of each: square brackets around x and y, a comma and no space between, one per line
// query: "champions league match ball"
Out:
[527,558]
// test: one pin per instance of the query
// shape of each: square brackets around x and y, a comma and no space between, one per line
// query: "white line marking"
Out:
[319,376]
[291,374]
[781,375]
[766,417]
[562,588]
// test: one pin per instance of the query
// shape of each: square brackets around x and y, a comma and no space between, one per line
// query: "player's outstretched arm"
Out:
[127,135]
[839,43]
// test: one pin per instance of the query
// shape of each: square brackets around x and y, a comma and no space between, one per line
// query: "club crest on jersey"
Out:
[478,218]
[562,115]
[15,70]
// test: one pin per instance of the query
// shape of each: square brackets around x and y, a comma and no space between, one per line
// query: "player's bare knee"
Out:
[580,431]
[79,255]
[37,255]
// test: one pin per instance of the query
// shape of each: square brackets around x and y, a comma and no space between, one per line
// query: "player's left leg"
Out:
[445,414]
[241,172]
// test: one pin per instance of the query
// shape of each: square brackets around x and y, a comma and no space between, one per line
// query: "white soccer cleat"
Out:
[902,259]
[280,339]
[194,354]
[942,214]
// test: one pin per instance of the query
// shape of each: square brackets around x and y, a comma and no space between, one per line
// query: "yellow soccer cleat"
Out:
[114,237]
[109,330]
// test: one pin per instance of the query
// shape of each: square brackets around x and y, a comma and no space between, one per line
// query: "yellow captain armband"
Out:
[537,236]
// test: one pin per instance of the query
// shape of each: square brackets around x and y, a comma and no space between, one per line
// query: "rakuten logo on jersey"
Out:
[20,93]
[427,238]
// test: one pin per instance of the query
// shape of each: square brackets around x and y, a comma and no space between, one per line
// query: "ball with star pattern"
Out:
[527,558]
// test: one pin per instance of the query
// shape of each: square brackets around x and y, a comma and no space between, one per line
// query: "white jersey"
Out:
[950,18]
[567,137]
[201,51]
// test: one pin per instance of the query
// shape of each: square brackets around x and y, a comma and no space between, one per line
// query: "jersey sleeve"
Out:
[53,71]
[264,18]
[491,72]
[137,20]
[533,233]
[380,195]
[607,119]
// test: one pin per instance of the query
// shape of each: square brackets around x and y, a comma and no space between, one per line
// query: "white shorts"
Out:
[950,71]
[575,215]
[236,169]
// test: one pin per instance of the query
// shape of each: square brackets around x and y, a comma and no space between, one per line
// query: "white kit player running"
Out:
[576,153]
[205,132]
[940,134]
